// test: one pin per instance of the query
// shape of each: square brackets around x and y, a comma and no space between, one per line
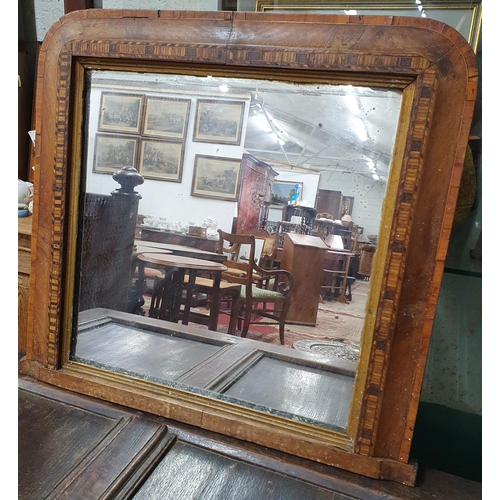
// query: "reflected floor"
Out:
[336,321]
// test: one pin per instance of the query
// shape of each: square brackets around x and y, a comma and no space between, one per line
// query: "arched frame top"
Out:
[433,66]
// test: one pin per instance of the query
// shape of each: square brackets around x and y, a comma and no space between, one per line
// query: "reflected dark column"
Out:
[107,247]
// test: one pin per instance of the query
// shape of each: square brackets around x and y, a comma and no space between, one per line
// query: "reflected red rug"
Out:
[330,325]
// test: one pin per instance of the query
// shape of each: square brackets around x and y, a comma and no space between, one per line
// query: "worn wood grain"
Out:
[70,448]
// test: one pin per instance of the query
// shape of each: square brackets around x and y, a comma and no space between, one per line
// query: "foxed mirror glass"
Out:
[318,135]
[145,127]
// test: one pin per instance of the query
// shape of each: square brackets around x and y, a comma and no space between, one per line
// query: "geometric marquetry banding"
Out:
[60,162]
[395,261]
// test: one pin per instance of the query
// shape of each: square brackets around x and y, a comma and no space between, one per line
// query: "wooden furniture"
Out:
[255,193]
[203,284]
[324,226]
[330,202]
[283,227]
[23,278]
[366,261]
[168,291]
[335,274]
[154,452]
[427,62]
[303,256]
[334,203]
[268,253]
[185,240]
[186,251]
[106,259]
[307,214]
[269,299]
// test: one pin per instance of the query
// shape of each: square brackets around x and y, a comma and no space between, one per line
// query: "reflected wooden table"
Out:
[144,246]
[335,274]
[179,276]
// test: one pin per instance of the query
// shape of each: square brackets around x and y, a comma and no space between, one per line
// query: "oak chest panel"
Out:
[23,278]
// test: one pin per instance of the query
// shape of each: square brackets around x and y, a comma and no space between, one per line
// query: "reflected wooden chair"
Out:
[268,253]
[324,215]
[265,304]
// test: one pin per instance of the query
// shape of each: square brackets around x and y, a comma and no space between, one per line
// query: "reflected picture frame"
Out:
[216,177]
[166,117]
[113,152]
[463,15]
[282,191]
[161,160]
[218,121]
[120,112]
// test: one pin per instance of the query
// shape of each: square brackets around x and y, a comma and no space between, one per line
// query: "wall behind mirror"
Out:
[338,138]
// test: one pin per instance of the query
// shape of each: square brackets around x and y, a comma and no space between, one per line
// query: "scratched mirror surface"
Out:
[302,166]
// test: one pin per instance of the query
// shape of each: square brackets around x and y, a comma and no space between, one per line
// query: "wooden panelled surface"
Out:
[238,368]
[74,448]
[81,448]
[23,278]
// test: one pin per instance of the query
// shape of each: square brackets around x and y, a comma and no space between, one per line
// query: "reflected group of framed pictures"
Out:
[145,132]
[149,133]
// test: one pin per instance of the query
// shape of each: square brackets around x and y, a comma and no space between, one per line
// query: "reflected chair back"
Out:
[265,294]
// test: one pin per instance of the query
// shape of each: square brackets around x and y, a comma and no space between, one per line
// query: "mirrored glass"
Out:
[306,164]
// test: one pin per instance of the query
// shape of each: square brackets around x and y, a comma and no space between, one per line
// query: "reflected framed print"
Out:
[218,121]
[215,177]
[120,112]
[113,152]
[161,160]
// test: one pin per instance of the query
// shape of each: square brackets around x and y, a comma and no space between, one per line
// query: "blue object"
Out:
[295,195]
[23,212]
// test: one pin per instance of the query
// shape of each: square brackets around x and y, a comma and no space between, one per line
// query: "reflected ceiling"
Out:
[289,126]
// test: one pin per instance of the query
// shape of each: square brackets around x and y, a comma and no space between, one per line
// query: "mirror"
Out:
[421,73]
[317,134]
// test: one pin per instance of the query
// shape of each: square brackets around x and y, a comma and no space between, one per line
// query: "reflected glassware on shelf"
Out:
[163,223]
[149,221]
[175,226]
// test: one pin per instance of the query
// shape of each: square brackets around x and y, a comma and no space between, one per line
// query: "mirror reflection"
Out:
[227,235]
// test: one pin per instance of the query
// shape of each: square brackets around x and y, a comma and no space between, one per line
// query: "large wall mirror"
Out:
[159,118]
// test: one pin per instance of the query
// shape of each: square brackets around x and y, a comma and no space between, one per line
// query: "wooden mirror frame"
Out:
[435,68]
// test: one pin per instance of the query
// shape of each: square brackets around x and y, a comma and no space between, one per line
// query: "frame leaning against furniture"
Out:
[432,67]
[463,15]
